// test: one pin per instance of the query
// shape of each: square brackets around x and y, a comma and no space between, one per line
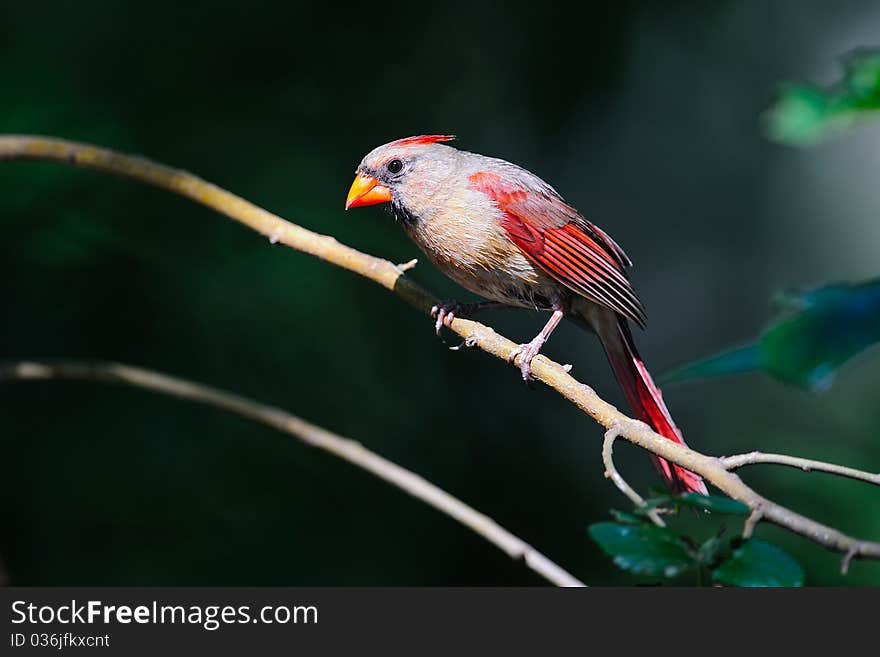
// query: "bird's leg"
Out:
[528,351]
[445,311]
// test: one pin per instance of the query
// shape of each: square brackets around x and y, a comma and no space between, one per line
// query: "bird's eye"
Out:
[394,166]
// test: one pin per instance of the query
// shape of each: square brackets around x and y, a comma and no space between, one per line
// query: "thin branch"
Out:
[752,521]
[315,436]
[807,465]
[392,277]
[611,472]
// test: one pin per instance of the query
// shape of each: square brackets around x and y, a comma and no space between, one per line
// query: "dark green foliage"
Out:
[643,549]
[714,503]
[758,563]
[639,547]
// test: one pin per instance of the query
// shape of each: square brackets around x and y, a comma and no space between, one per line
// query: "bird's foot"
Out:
[526,353]
[445,311]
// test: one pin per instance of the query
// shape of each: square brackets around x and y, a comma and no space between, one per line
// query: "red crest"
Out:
[422,139]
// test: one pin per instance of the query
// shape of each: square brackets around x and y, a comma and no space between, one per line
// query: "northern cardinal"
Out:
[506,235]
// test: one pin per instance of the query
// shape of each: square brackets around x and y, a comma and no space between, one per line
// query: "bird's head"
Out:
[408,173]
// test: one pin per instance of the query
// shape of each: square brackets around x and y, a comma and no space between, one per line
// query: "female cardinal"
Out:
[506,235]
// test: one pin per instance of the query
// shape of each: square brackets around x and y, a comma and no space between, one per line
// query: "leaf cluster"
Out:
[640,547]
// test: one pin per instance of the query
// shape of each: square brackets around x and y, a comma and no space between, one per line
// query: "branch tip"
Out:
[611,472]
[847,558]
[752,521]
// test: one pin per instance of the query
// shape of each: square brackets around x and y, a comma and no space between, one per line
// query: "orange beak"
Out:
[366,190]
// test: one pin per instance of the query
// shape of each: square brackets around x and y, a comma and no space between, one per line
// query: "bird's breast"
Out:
[466,241]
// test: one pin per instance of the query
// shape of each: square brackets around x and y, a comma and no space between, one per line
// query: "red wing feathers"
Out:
[565,245]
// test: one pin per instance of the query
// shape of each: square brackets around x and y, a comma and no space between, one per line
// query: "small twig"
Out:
[344,448]
[807,465]
[611,472]
[406,266]
[752,521]
[844,563]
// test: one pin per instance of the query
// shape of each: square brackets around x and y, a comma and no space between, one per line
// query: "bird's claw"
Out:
[526,353]
[444,312]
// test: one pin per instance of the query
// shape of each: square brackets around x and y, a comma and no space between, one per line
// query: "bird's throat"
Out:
[403,215]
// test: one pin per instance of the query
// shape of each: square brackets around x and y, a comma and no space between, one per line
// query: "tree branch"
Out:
[315,436]
[807,465]
[475,334]
[612,473]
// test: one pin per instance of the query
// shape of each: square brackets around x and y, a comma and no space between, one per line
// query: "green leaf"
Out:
[804,115]
[714,503]
[758,563]
[652,503]
[643,549]
[711,550]
[626,518]
[745,358]
[818,332]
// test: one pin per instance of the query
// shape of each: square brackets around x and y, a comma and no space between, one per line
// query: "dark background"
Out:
[643,115]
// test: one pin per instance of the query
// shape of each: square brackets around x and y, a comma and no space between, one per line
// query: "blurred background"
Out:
[643,115]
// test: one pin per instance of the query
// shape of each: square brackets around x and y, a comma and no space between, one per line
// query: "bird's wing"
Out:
[569,248]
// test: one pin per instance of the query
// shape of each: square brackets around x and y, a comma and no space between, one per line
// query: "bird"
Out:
[507,236]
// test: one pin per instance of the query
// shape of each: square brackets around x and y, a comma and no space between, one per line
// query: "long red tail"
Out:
[644,397]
